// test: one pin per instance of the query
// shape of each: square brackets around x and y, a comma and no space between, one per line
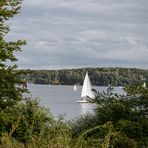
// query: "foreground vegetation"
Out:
[119,121]
[99,76]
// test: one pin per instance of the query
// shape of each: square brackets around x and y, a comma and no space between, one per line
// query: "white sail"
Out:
[144,85]
[75,87]
[87,88]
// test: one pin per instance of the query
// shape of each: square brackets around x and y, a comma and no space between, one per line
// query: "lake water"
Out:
[62,99]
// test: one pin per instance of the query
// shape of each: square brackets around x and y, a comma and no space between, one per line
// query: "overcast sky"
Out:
[82,33]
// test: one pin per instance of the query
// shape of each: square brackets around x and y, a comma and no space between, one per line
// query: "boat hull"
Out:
[84,100]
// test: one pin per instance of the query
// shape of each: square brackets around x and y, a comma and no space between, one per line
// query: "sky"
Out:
[82,33]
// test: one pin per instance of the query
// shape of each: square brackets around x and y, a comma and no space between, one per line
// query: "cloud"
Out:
[131,41]
[81,33]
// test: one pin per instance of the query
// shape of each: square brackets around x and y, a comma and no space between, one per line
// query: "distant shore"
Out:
[99,76]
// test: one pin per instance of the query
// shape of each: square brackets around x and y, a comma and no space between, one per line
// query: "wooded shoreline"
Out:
[99,76]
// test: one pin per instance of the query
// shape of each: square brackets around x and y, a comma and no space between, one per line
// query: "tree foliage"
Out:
[128,115]
[10,83]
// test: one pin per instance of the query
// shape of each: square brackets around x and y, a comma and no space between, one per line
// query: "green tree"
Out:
[10,84]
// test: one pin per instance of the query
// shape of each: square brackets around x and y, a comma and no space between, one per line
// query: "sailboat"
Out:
[86,93]
[75,88]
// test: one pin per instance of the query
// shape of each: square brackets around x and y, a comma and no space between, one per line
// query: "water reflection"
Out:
[62,99]
[87,108]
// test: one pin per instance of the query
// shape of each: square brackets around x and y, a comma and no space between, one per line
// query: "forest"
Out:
[99,76]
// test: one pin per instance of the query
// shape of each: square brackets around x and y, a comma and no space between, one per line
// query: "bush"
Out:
[29,124]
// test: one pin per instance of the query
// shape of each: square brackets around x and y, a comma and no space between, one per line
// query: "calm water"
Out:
[62,99]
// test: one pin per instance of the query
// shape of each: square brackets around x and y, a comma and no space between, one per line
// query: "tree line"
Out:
[99,76]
